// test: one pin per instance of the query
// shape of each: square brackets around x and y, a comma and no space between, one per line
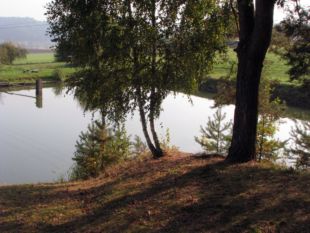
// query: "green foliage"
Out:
[165,142]
[296,29]
[269,112]
[216,135]
[300,150]
[138,147]
[59,75]
[97,148]
[118,148]
[9,52]
[134,53]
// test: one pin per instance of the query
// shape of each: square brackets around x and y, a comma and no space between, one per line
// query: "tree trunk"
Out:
[160,152]
[255,36]
[149,142]
[153,96]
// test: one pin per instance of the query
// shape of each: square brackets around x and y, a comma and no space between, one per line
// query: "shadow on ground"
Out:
[183,194]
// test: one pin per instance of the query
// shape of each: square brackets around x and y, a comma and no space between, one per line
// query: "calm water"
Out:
[37,144]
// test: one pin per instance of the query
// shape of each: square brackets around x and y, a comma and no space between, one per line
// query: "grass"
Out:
[43,63]
[179,193]
[276,67]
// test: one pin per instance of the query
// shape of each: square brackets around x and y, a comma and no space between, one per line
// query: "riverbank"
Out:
[179,193]
[26,71]
[293,95]
[36,66]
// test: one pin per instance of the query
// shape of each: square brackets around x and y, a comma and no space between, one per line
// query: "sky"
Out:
[35,9]
[23,8]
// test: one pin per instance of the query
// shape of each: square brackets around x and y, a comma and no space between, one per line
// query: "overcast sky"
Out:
[35,9]
[23,8]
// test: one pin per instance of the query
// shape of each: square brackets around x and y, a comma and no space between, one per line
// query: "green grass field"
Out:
[34,66]
[275,67]
[44,66]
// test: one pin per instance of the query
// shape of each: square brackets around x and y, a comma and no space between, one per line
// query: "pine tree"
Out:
[90,151]
[301,148]
[216,134]
[97,148]
[269,113]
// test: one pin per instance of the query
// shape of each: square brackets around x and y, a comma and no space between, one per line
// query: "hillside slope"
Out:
[27,32]
[175,194]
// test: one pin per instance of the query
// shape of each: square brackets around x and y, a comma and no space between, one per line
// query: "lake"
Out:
[38,139]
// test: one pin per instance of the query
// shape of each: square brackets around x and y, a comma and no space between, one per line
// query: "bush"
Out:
[216,135]
[59,75]
[300,150]
[98,148]
[9,52]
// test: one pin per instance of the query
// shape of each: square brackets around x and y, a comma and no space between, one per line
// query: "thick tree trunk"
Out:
[255,36]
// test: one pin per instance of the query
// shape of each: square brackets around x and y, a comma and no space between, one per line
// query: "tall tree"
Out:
[134,53]
[255,29]
[296,28]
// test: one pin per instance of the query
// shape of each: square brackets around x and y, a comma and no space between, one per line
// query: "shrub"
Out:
[300,150]
[9,52]
[98,148]
[216,135]
[59,75]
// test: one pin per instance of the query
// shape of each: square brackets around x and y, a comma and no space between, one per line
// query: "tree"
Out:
[9,52]
[296,29]
[216,134]
[300,150]
[98,148]
[134,53]
[255,29]
[269,112]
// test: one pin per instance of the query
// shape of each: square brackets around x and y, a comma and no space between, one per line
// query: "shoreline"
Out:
[292,95]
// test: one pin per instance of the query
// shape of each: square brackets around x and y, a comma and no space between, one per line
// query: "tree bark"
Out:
[153,94]
[255,35]
[160,152]
[144,126]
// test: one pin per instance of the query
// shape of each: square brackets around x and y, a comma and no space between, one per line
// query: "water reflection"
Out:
[39,101]
[38,97]
[37,145]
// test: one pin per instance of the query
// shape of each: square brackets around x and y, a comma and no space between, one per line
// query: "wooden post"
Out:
[39,86]
[39,92]
[39,101]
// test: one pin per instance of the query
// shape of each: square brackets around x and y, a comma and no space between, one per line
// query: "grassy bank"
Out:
[45,65]
[175,194]
[34,66]
[276,68]
[293,95]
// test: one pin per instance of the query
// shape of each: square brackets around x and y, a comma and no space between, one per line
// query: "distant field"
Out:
[34,66]
[44,64]
[36,58]
[276,69]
